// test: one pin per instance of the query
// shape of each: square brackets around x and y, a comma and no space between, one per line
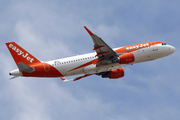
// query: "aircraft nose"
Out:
[173,49]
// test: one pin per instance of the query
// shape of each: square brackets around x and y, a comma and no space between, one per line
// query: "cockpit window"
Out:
[163,43]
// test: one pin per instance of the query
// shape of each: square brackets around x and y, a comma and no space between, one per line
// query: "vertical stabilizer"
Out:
[21,55]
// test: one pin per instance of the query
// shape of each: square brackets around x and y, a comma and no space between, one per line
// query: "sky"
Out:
[53,29]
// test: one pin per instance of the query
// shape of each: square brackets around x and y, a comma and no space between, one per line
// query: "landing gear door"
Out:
[46,67]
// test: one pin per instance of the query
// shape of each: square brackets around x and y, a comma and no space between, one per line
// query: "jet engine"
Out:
[114,74]
[124,59]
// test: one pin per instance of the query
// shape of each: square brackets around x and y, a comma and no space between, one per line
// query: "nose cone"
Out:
[172,49]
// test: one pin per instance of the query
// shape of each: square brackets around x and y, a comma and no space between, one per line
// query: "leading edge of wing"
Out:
[90,33]
[102,49]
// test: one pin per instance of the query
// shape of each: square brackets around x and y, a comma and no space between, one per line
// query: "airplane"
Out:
[105,61]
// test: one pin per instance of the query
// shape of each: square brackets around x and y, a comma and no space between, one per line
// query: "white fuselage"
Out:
[66,65]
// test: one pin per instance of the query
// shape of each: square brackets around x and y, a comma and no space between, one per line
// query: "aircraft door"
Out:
[46,67]
[154,52]
[155,48]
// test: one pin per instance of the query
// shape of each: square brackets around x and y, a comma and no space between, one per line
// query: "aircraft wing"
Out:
[75,79]
[104,52]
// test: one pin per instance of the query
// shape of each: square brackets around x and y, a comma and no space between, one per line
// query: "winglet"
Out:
[25,68]
[90,33]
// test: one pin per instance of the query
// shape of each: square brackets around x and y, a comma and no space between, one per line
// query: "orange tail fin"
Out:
[21,55]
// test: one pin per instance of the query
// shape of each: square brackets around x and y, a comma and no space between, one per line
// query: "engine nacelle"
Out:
[124,59]
[114,74]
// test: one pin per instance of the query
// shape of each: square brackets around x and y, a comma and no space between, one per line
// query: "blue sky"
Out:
[54,29]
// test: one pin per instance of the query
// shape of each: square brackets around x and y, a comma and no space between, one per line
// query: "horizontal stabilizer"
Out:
[25,68]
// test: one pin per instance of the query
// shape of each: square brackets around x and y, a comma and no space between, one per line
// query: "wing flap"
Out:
[95,48]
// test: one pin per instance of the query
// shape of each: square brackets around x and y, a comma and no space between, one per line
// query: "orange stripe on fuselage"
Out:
[86,64]
[135,47]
